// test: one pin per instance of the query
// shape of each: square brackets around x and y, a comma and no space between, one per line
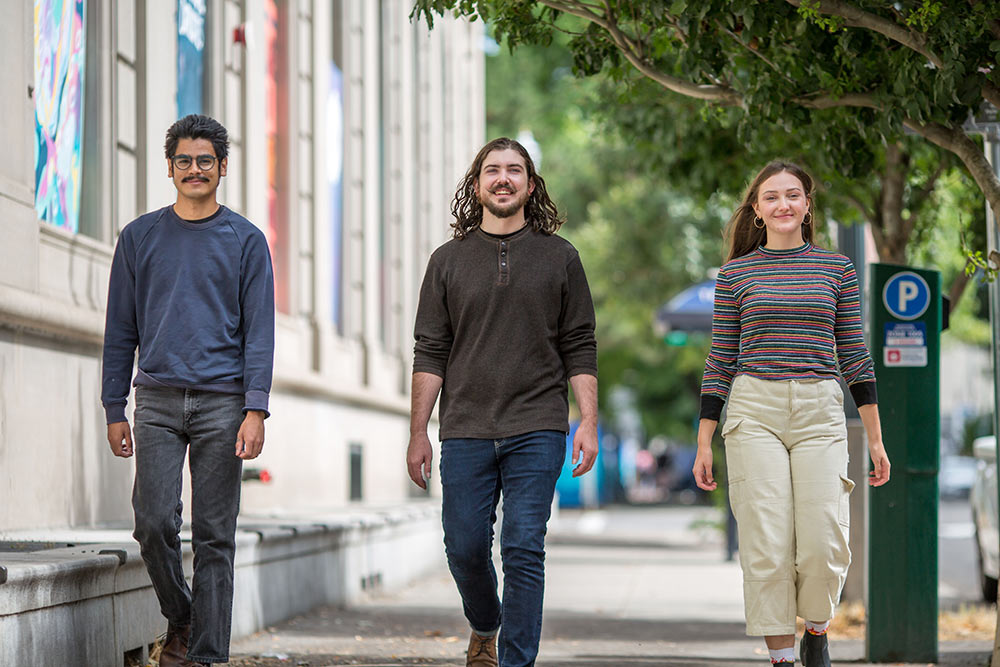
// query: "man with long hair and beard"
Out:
[505,319]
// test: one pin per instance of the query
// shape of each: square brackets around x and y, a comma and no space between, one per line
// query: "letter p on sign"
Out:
[908,291]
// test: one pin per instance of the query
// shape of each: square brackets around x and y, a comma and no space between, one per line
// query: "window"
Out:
[58,93]
[356,467]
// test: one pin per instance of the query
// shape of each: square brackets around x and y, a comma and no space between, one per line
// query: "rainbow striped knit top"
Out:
[786,315]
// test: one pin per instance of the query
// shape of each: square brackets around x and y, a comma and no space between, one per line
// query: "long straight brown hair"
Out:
[742,236]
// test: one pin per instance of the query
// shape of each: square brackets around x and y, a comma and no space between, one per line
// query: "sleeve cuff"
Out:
[428,368]
[115,413]
[711,407]
[256,400]
[864,393]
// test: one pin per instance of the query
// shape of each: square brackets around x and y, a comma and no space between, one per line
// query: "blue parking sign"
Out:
[906,295]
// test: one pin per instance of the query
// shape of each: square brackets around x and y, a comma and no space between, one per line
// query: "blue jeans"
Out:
[167,420]
[474,473]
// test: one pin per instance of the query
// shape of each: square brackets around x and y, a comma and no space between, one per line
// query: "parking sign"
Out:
[906,295]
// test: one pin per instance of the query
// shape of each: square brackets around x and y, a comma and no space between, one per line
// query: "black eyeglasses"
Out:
[183,162]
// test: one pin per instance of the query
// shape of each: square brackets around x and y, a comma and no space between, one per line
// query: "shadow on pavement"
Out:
[563,626]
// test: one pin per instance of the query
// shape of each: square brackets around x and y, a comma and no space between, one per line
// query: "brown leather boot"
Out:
[482,651]
[175,646]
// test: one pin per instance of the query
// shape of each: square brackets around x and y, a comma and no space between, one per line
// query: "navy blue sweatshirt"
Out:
[197,299]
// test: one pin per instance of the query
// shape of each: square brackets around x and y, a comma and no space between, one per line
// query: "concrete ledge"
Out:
[91,603]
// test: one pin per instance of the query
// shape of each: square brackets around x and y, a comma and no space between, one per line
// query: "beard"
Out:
[509,209]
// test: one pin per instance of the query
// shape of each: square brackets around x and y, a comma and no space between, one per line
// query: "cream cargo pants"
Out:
[786,454]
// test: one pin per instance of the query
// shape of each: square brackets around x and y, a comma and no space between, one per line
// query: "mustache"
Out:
[195,178]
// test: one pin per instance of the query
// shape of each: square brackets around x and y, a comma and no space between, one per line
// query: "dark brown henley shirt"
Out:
[506,321]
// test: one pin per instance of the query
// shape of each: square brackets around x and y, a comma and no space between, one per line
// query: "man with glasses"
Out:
[191,287]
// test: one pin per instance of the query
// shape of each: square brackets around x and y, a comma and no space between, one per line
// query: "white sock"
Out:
[817,628]
[782,654]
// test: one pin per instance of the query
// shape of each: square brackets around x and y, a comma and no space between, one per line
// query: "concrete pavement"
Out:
[629,586]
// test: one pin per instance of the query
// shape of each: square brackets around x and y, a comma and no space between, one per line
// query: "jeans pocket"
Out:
[844,514]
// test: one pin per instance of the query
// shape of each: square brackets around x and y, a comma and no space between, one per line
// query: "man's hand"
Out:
[250,439]
[120,439]
[418,459]
[585,442]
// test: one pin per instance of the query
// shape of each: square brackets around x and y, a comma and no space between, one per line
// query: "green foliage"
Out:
[978,262]
[957,219]
[777,65]
[647,176]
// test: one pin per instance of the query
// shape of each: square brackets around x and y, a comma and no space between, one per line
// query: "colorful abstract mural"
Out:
[60,47]
[275,123]
[190,56]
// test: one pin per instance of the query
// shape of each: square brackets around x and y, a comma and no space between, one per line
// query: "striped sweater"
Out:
[786,315]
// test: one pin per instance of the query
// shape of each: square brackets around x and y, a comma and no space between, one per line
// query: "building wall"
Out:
[413,103]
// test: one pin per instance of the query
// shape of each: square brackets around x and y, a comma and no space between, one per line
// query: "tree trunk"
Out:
[895,231]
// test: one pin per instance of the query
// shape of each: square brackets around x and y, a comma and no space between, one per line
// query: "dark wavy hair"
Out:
[539,211]
[741,235]
[196,126]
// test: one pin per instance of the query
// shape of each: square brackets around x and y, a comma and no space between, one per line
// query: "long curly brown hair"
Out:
[741,235]
[539,211]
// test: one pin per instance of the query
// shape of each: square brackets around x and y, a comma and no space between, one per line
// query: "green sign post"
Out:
[906,317]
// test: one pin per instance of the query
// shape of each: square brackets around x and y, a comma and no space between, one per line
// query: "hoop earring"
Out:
[808,218]
[757,219]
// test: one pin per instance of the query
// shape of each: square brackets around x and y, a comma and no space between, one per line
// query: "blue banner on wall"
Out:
[335,172]
[190,56]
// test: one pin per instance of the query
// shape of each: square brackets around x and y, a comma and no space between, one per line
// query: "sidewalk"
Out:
[624,587]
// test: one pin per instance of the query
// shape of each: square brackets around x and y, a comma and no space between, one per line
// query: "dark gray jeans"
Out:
[167,420]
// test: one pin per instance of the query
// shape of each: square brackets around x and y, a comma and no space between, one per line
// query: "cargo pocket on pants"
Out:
[844,514]
[734,467]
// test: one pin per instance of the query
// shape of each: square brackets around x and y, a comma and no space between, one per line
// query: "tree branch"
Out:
[581,9]
[921,197]
[722,94]
[859,18]
[968,152]
[829,101]
[756,52]
[994,28]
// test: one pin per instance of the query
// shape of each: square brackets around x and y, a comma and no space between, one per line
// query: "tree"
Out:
[862,71]
[647,180]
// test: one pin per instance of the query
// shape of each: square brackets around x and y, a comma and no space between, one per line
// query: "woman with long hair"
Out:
[786,326]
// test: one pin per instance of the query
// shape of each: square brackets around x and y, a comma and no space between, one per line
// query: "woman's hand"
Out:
[880,461]
[703,459]
[703,469]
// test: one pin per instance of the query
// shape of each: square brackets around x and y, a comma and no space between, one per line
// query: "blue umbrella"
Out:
[690,310]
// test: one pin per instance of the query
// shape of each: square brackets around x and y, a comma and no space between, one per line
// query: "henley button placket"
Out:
[504,277]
